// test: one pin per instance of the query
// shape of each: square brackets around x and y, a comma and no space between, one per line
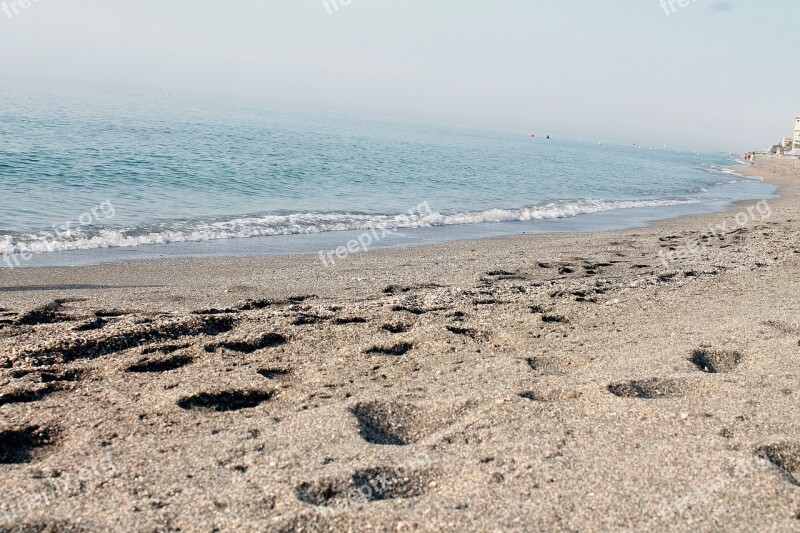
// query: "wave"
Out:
[94,236]
[730,172]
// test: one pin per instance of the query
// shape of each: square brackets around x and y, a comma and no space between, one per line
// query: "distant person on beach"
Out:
[753,159]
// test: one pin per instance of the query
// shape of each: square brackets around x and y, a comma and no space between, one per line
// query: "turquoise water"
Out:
[106,174]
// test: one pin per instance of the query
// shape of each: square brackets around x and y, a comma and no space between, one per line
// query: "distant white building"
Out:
[797,134]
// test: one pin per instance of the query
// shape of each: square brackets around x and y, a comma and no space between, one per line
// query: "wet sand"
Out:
[633,380]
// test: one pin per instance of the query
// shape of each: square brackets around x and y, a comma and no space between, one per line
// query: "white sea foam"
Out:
[297,224]
[731,172]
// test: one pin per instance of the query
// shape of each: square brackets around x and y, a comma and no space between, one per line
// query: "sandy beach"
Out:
[633,380]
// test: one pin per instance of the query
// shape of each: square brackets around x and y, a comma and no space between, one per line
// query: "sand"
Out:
[566,382]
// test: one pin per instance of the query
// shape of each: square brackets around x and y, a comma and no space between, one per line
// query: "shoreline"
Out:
[415,388]
[620,219]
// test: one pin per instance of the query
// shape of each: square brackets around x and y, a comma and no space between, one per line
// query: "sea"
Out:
[88,177]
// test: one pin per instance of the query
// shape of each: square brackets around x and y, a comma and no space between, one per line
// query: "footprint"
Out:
[396,350]
[113,313]
[387,423]
[396,289]
[350,320]
[786,456]
[499,273]
[28,395]
[415,310]
[555,319]
[556,364]
[48,375]
[233,400]
[305,319]
[274,373]
[402,424]
[46,314]
[267,340]
[365,486]
[165,349]
[25,445]
[467,332]
[401,289]
[214,311]
[782,327]
[256,305]
[397,327]
[488,301]
[716,361]
[649,389]
[505,275]
[92,325]
[552,395]
[160,365]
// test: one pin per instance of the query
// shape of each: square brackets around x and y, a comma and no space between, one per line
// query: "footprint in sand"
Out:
[649,389]
[47,314]
[366,486]
[556,364]
[786,456]
[716,361]
[350,320]
[160,365]
[467,332]
[51,375]
[164,349]
[402,289]
[555,319]
[395,350]
[232,400]
[391,424]
[396,327]
[402,424]
[29,395]
[250,345]
[91,325]
[306,319]
[275,373]
[25,445]
[551,395]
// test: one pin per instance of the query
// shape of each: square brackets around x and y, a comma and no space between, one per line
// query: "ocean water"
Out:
[90,177]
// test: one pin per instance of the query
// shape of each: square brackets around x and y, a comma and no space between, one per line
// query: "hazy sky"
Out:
[710,75]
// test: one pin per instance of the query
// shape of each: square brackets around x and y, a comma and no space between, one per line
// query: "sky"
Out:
[706,75]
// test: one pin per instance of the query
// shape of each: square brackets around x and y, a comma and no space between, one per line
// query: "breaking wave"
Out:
[103,236]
